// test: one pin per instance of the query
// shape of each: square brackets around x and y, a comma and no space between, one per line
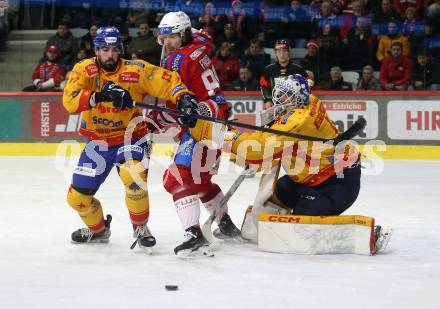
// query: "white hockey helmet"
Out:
[292,90]
[174,22]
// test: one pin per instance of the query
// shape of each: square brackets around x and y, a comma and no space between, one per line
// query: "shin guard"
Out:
[88,208]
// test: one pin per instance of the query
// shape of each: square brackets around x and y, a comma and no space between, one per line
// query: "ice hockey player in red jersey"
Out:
[188,179]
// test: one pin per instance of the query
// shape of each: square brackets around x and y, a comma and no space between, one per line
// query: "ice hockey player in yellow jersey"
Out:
[104,89]
[321,179]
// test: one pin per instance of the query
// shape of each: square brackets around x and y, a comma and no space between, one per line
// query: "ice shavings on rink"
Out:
[40,268]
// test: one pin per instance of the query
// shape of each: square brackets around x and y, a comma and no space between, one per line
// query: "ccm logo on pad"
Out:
[285,219]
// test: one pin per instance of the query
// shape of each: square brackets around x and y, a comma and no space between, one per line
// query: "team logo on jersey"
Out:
[85,171]
[205,62]
[176,62]
[152,72]
[132,62]
[130,148]
[166,76]
[91,69]
[107,122]
[197,52]
[129,77]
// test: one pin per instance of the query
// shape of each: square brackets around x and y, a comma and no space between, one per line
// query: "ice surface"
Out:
[40,268]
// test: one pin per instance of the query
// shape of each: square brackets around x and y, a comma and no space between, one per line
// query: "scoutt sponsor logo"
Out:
[51,120]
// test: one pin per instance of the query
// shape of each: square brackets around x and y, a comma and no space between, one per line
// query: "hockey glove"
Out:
[120,97]
[187,106]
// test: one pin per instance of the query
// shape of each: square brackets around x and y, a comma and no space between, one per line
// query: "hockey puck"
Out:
[171,287]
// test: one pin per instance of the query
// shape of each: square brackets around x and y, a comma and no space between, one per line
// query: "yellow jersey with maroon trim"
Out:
[105,122]
[306,162]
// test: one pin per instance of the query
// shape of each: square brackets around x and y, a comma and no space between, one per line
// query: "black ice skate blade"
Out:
[189,254]
[93,242]
[147,250]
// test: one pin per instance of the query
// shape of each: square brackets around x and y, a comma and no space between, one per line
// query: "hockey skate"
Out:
[195,244]
[382,237]
[143,238]
[85,235]
[227,230]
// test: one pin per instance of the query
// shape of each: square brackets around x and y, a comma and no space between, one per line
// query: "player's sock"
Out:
[89,209]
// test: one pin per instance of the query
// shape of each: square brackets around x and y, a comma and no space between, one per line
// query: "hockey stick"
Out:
[206,228]
[359,124]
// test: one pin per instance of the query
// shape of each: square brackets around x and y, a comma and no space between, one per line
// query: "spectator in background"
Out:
[313,62]
[126,40]
[139,13]
[86,42]
[67,44]
[242,23]
[245,81]
[145,45]
[412,26]
[349,20]
[422,74]
[226,65]
[110,13]
[329,49]
[325,17]
[255,58]
[229,35]
[396,69]
[386,14]
[367,81]
[421,42]
[433,16]
[296,24]
[402,5]
[335,82]
[81,15]
[386,41]
[357,47]
[48,73]
[208,20]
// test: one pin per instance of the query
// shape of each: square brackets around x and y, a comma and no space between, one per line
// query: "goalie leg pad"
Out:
[134,178]
[88,208]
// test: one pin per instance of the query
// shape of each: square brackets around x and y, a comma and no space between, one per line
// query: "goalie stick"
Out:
[206,228]
[356,127]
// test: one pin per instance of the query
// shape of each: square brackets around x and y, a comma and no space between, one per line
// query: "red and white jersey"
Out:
[46,70]
[196,70]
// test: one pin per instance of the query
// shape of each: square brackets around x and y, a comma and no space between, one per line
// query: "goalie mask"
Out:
[292,90]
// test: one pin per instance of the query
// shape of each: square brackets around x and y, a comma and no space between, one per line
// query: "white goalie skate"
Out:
[382,237]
